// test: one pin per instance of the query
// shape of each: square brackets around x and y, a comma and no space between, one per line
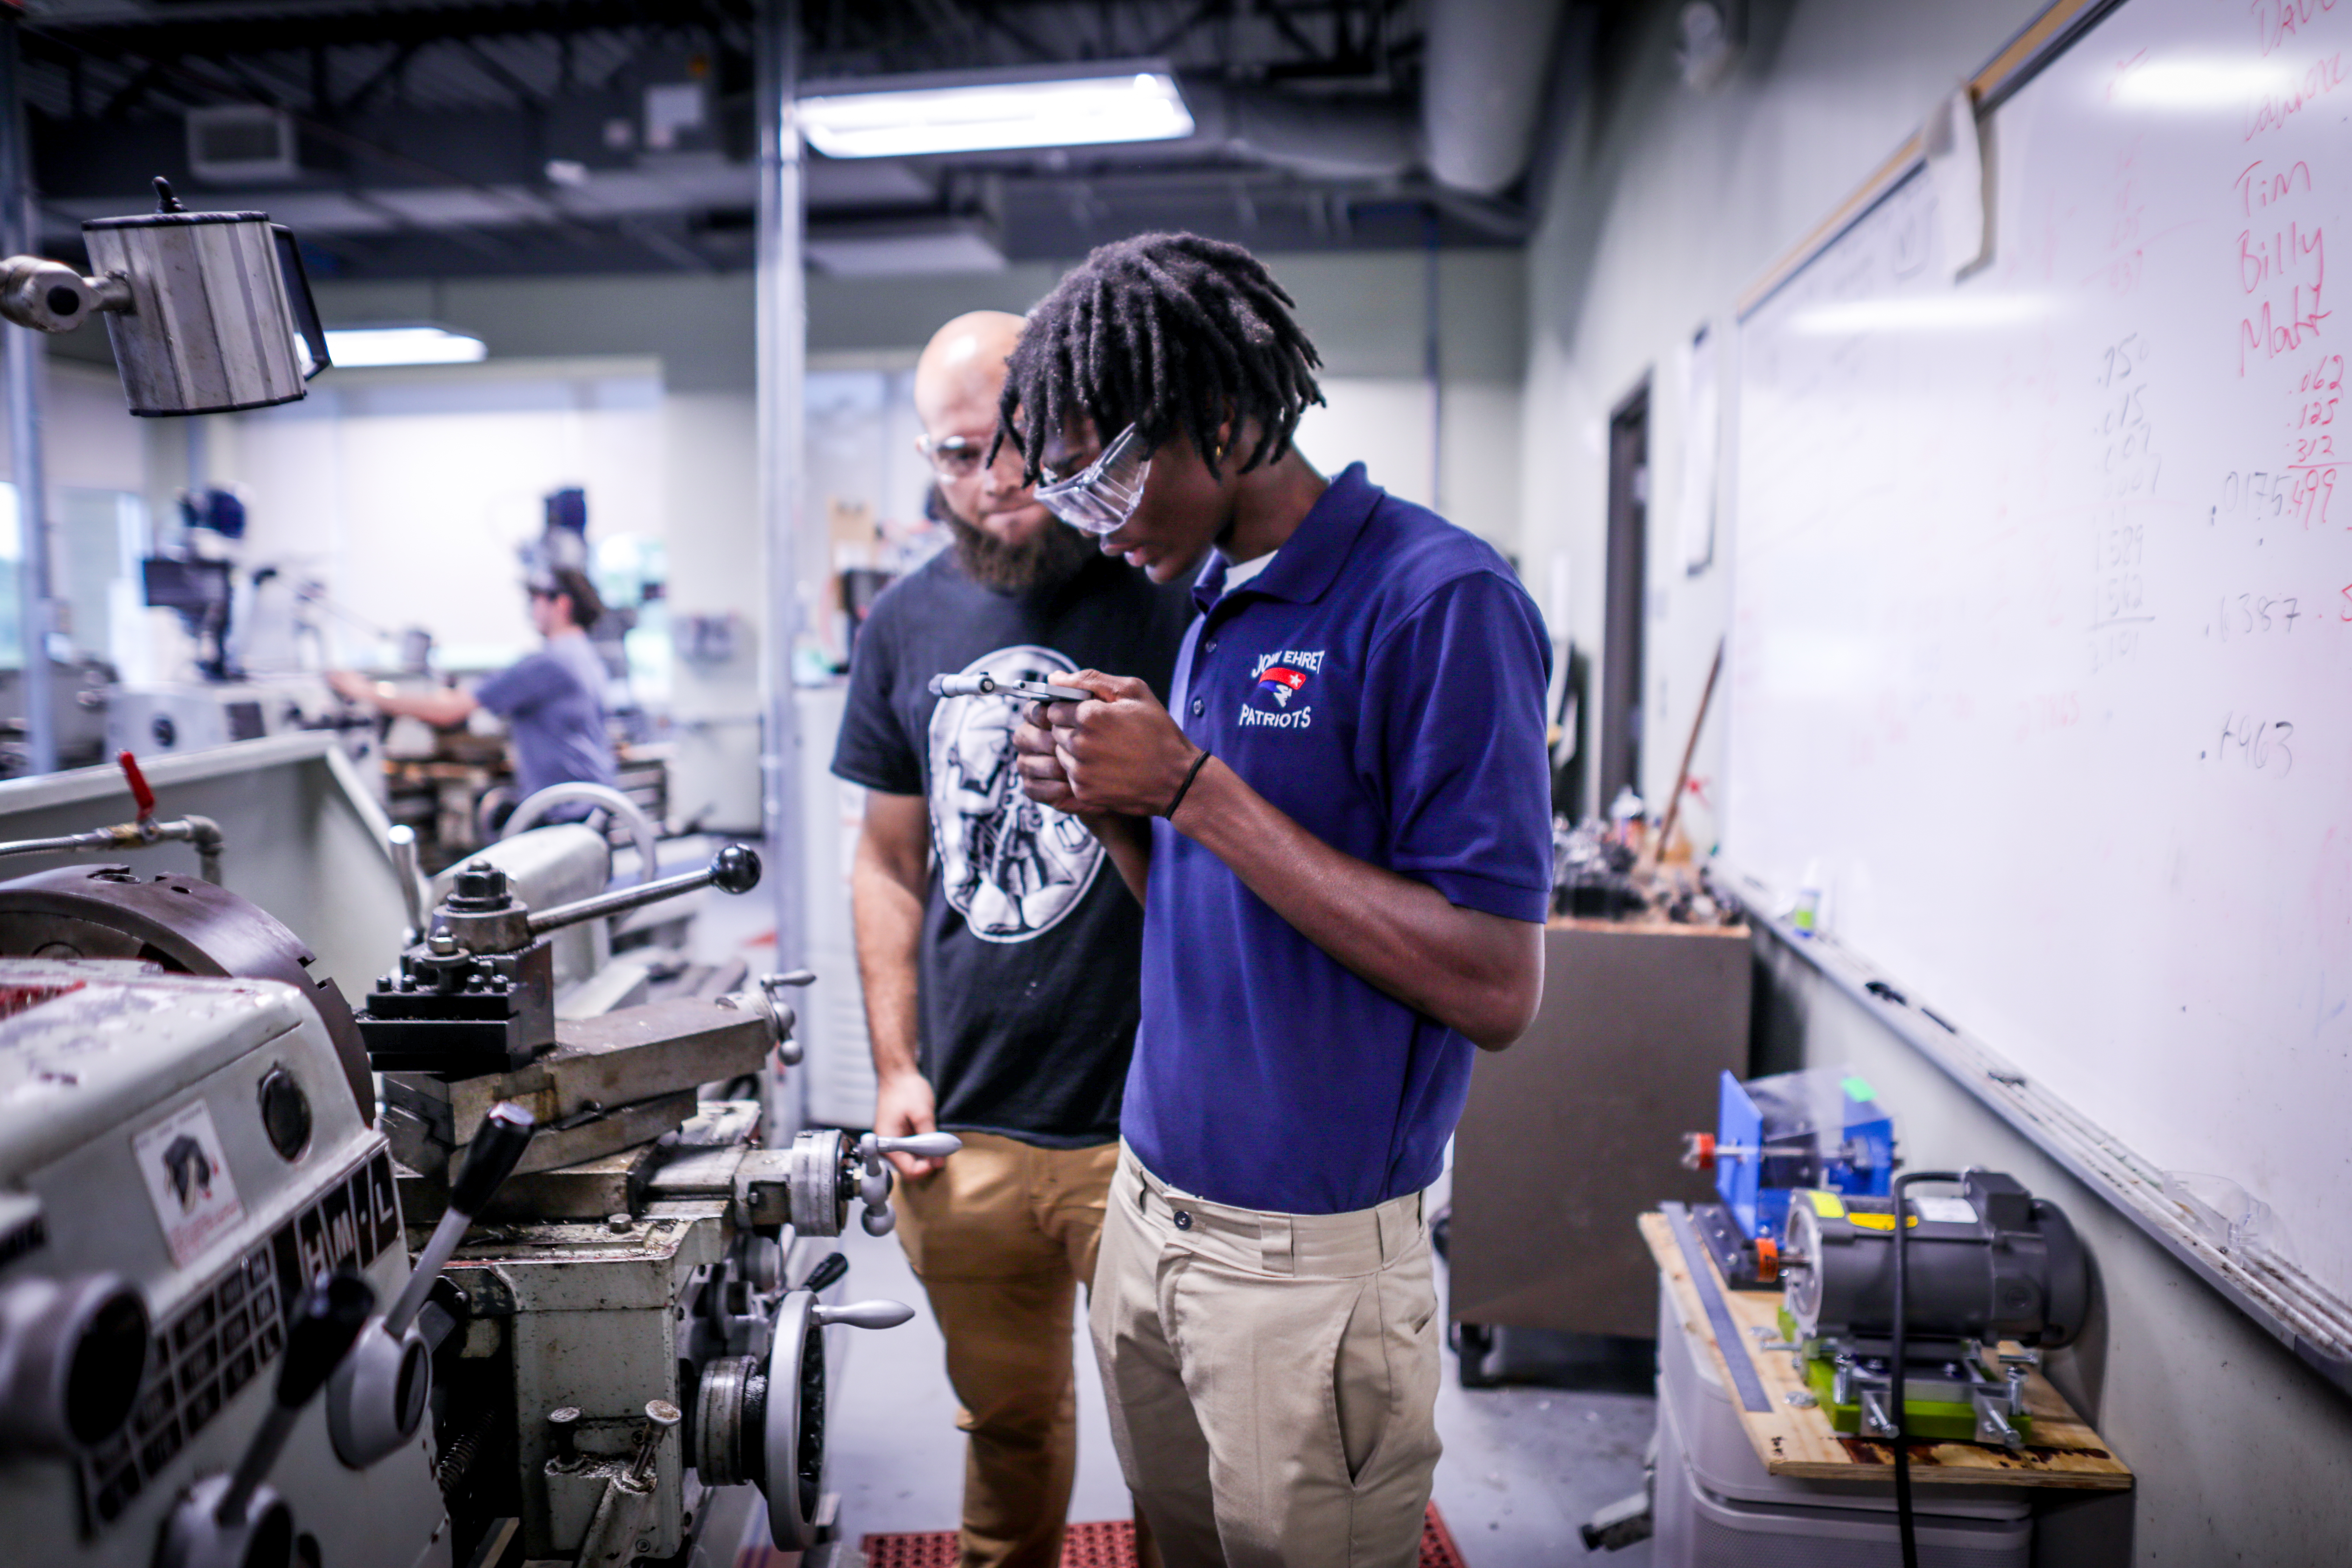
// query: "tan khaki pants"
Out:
[1273,1378]
[1002,1236]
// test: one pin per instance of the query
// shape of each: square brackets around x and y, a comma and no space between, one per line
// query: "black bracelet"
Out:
[1198,763]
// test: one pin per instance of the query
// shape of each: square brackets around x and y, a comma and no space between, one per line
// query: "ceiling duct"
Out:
[1486,66]
[1322,138]
[910,249]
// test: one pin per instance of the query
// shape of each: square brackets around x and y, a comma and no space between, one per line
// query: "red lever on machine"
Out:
[139,790]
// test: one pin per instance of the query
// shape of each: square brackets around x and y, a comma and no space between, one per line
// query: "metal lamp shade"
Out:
[218,300]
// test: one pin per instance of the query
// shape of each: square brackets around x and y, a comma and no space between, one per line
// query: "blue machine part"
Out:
[1738,1124]
[1817,1128]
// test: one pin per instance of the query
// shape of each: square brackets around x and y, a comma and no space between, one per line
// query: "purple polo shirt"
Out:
[1383,682]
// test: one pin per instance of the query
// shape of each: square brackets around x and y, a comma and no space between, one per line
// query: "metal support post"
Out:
[20,234]
[782,329]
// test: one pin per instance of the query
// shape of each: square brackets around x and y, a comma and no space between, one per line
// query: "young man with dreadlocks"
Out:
[997,952]
[1342,836]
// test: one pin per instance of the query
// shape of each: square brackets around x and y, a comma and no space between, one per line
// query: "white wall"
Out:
[406,491]
[711,502]
[1662,206]
[98,455]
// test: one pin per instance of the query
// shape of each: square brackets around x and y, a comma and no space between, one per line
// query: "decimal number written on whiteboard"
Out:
[2324,379]
[2302,494]
[2121,359]
[2251,614]
[2261,744]
[2121,546]
[2120,596]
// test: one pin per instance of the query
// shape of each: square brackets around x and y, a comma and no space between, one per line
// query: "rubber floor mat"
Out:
[1106,1545]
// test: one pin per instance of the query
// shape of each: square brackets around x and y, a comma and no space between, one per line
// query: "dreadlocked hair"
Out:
[1165,332]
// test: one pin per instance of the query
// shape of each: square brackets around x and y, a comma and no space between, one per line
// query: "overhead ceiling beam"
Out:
[129,95]
[190,33]
[1201,14]
[527,95]
[994,16]
[357,99]
[532,210]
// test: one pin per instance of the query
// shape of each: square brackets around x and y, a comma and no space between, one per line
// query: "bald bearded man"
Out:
[1000,951]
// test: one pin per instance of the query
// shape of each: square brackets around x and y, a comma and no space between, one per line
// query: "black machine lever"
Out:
[325,1324]
[495,1149]
[830,1267]
[237,1520]
[734,870]
[381,1389]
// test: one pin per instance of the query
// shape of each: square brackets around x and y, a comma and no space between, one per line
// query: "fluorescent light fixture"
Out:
[2202,84]
[354,347]
[986,111]
[1918,313]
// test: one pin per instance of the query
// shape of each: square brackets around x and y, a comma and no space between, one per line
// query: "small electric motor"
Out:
[1989,1272]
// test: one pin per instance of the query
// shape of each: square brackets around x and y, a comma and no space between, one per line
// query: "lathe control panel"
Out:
[180,1160]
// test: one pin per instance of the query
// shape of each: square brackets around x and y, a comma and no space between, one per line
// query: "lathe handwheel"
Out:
[819,1203]
[794,1447]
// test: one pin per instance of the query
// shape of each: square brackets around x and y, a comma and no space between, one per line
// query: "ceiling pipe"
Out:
[1486,64]
[1323,138]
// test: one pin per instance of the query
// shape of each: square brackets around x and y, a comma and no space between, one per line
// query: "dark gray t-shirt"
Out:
[1030,943]
[558,724]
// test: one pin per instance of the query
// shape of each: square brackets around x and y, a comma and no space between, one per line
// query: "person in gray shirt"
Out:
[552,700]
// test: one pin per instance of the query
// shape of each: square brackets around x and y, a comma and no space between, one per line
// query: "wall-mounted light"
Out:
[352,347]
[1709,35]
[982,112]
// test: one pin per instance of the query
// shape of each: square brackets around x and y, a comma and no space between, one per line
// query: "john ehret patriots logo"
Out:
[1281,683]
[1273,703]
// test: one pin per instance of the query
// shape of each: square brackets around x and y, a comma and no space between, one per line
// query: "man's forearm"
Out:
[1128,841]
[1478,974]
[888,917]
[441,708]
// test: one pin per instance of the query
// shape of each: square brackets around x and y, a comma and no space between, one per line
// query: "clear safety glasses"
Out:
[1104,494]
[952,457]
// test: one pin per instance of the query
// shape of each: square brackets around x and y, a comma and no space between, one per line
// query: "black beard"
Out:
[1055,556]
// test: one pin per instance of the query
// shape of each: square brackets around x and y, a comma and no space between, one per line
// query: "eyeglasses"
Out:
[1101,497]
[953,457]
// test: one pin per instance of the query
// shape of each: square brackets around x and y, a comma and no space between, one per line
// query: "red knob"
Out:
[139,790]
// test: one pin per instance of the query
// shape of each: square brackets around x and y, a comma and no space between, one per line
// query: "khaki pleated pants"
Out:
[1272,1378]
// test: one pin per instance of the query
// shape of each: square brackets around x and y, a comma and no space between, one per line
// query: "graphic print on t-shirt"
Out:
[1009,867]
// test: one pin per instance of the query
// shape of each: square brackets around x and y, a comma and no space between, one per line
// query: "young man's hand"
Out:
[904,1106]
[1120,752]
[1041,778]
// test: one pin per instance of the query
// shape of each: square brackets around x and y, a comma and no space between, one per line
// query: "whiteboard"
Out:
[2041,643]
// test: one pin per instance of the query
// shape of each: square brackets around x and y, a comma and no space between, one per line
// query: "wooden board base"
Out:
[1797,1441]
